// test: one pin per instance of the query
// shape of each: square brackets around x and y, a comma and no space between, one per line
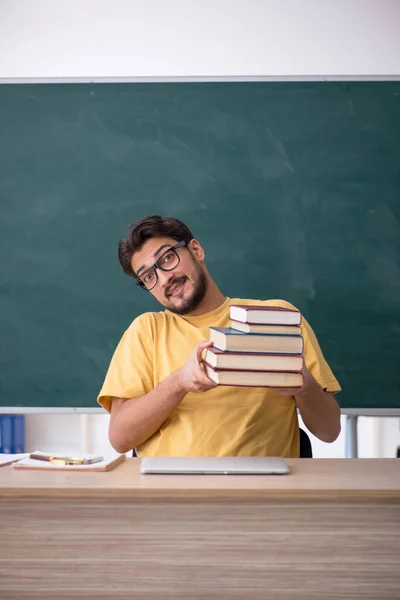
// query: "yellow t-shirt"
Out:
[224,421]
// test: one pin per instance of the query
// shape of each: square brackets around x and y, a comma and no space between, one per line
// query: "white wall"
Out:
[199,38]
[377,437]
[100,39]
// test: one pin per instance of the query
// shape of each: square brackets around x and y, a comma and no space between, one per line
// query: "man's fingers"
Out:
[287,391]
[202,379]
[205,344]
[206,380]
[200,347]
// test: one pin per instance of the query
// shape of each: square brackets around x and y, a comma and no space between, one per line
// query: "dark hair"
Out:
[145,229]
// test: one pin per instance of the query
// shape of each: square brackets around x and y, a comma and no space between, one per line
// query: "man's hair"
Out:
[145,229]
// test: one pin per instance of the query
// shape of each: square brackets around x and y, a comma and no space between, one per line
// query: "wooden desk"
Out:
[330,529]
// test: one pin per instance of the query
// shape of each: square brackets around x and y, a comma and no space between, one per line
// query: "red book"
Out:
[226,338]
[254,378]
[274,329]
[253,361]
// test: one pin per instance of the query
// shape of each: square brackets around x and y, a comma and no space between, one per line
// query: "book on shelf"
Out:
[267,315]
[252,361]
[6,434]
[12,434]
[227,338]
[19,433]
[275,329]
[254,378]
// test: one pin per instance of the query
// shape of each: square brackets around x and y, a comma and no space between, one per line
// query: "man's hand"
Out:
[192,377]
[286,391]
[319,410]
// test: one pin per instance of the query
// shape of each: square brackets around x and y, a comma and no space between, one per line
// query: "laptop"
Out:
[224,465]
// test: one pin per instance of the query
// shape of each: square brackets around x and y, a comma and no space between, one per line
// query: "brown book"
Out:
[267,315]
[274,329]
[226,338]
[254,378]
[253,361]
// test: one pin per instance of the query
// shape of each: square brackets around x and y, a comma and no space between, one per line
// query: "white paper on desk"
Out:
[69,454]
[8,459]
[42,464]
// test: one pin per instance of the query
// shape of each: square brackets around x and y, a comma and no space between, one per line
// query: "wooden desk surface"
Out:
[329,529]
[332,479]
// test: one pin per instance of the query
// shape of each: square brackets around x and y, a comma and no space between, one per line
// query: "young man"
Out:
[160,399]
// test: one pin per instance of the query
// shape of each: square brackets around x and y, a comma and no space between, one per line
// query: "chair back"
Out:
[305,445]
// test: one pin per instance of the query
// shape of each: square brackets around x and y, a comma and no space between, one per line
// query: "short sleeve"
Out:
[313,357]
[130,373]
[315,361]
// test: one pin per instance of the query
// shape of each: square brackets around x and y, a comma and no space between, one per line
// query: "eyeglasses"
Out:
[167,261]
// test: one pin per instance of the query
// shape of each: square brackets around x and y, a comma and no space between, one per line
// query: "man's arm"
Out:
[135,420]
[319,409]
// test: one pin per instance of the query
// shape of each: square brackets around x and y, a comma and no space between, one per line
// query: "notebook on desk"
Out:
[8,459]
[105,464]
[227,465]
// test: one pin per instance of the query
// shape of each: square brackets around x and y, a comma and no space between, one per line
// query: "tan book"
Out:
[254,378]
[274,329]
[226,338]
[253,361]
[268,315]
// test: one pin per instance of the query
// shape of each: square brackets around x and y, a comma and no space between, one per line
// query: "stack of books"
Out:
[262,348]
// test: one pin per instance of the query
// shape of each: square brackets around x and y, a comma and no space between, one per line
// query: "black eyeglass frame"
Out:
[154,267]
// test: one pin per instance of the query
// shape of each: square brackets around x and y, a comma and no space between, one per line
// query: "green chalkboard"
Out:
[293,189]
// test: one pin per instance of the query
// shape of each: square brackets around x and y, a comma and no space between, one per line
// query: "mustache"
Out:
[173,282]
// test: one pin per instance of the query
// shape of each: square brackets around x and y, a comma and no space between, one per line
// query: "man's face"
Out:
[182,289]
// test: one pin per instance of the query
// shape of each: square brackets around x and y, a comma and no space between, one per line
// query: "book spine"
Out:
[277,323]
[293,329]
[272,387]
[6,426]
[19,433]
[248,370]
[277,353]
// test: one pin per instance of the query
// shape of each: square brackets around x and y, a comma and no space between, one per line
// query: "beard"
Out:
[196,297]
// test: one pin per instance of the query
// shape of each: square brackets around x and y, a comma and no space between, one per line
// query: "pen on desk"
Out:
[91,461]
